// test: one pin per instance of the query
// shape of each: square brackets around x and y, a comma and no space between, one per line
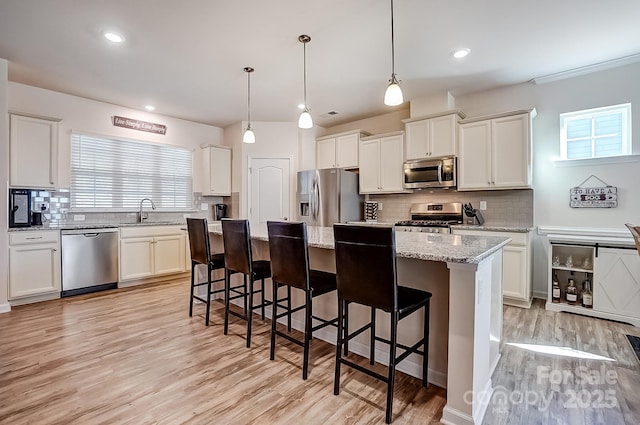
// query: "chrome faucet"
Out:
[142,216]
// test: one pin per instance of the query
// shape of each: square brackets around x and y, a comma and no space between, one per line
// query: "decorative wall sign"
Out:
[604,196]
[139,125]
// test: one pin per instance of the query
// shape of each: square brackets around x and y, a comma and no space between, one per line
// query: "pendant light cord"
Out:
[304,45]
[249,98]
[393,50]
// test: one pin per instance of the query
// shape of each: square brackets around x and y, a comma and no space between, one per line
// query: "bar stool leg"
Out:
[193,267]
[250,312]
[392,366]
[244,277]
[207,314]
[274,314]
[346,326]
[289,308]
[308,310]
[262,298]
[372,343]
[425,357]
[342,306]
[227,285]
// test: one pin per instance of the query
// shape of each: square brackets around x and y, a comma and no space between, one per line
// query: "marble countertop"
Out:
[422,246]
[83,225]
[494,228]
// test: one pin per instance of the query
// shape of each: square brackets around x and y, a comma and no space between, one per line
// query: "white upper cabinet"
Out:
[432,136]
[216,170]
[495,152]
[338,150]
[33,151]
[381,161]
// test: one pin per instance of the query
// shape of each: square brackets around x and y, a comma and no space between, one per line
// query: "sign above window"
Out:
[149,127]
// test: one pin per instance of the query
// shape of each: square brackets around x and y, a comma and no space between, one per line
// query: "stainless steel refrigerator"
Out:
[328,196]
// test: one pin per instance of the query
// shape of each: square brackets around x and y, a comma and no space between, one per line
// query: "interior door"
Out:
[269,190]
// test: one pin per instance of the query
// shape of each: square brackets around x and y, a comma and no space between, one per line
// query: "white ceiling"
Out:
[187,57]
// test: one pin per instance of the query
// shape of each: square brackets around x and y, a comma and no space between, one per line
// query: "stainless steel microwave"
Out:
[430,173]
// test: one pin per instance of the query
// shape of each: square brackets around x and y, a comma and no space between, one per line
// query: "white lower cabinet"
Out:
[616,286]
[34,264]
[613,271]
[516,265]
[148,251]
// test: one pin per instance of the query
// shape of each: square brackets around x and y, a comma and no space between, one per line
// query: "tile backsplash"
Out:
[504,207]
[57,205]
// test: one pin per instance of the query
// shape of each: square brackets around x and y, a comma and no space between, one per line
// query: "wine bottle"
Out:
[555,289]
[572,293]
[587,295]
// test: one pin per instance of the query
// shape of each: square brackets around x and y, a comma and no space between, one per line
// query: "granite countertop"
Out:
[83,225]
[494,228]
[422,246]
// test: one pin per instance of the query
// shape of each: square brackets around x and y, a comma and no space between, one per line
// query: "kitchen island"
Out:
[464,274]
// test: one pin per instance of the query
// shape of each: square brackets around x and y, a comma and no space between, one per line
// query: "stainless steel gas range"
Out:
[432,218]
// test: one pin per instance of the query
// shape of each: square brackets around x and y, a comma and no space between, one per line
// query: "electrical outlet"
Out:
[78,217]
[483,205]
[379,206]
[204,206]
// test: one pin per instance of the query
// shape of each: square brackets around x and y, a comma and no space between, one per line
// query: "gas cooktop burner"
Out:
[427,223]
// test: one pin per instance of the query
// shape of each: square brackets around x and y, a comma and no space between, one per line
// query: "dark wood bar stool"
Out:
[238,258]
[367,274]
[200,249]
[289,251]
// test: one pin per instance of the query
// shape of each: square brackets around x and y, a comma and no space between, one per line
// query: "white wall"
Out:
[4,180]
[552,183]
[385,123]
[273,140]
[80,114]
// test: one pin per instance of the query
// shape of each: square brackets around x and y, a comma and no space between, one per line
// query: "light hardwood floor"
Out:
[553,389]
[134,356]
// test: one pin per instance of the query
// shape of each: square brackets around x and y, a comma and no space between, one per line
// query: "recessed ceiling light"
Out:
[114,36]
[460,53]
[150,108]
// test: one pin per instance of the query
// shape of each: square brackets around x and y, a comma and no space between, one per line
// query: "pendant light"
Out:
[305,120]
[248,136]
[393,95]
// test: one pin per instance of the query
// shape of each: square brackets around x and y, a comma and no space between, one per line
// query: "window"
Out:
[117,174]
[596,133]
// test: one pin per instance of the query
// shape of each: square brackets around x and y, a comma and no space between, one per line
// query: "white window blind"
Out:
[596,133]
[114,174]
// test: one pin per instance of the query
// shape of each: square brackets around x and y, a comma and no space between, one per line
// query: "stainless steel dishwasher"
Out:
[89,260]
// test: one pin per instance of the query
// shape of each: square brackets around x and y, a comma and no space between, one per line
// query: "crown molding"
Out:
[600,66]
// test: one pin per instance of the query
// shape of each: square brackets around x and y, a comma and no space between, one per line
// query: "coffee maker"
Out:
[19,207]
[219,211]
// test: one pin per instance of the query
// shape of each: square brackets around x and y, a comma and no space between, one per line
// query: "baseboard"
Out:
[35,298]
[451,416]
[517,303]
[5,308]
[540,294]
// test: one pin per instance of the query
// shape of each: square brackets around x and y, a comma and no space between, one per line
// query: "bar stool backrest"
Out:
[366,265]
[237,245]
[199,244]
[635,232]
[289,253]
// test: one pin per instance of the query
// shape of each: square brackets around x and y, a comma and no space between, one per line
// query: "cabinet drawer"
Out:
[33,237]
[149,231]
[517,238]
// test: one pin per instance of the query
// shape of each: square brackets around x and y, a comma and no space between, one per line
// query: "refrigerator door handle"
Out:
[315,200]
